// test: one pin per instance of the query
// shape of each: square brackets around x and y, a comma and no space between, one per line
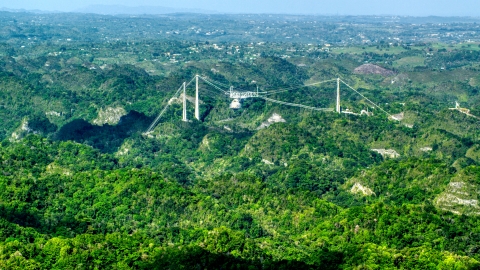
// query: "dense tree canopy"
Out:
[266,186]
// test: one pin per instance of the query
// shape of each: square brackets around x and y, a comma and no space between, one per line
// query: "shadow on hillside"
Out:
[18,214]
[198,258]
[106,138]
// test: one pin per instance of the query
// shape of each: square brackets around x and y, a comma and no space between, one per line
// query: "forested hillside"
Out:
[265,186]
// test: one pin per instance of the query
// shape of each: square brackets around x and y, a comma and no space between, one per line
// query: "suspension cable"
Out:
[219,83]
[212,84]
[296,105]
[215,84]
[296,87]
[155,122]
[189,82]
[365,98]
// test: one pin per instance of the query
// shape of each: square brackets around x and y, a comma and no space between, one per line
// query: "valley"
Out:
[100,170]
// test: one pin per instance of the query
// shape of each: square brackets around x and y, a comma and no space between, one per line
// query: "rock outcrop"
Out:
[459,198]
[390,153]
[109,116]
[361,190]
[21,131]
[275,118]
[373,69]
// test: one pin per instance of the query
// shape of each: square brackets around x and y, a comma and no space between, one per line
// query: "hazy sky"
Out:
[341,7]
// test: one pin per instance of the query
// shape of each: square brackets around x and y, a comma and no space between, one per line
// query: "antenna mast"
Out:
[197,109]
[338,96]
[184,103]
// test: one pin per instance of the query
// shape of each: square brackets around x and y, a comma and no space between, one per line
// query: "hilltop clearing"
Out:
[373,69]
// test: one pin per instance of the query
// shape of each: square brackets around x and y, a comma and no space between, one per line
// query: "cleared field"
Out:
[470,46]
[373,49]
[410,61]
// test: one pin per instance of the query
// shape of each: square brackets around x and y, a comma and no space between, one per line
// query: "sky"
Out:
[322,7]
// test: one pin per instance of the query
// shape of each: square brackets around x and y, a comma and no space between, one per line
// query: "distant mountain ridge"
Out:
[126,10]
[22,10]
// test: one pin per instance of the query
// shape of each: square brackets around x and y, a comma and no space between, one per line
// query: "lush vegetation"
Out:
[82,187]
[65,204]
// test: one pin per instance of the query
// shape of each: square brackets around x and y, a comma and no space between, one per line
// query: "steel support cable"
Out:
[296,87]
[212,84]
[216,87]
[219,83]
[155,122]
[269,92]
[213,93]
[189,82]
[365,98]
[296,105]
[226,86]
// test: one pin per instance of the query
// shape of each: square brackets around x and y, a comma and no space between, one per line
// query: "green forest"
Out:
[264,186]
